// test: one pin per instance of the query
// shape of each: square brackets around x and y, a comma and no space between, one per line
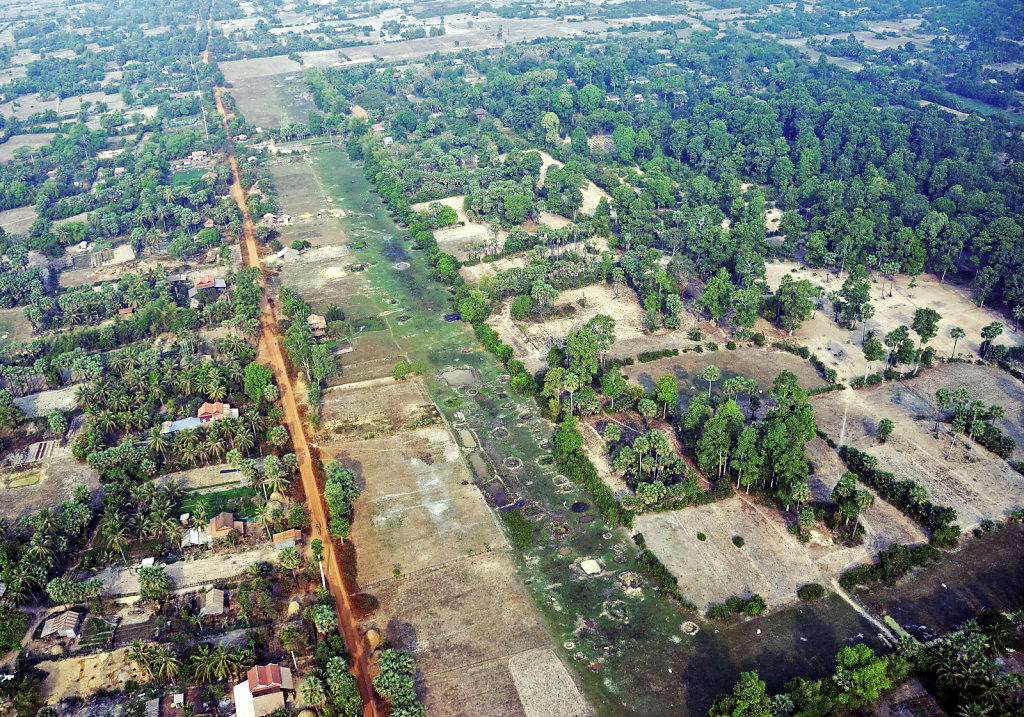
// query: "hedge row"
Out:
[893,563]
[574,464]
[648,356]
[930,515]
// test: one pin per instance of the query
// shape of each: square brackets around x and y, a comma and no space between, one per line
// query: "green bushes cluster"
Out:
[893,563]
[520,528]
[648,356]
[811,592]
[751,608]
[574,464]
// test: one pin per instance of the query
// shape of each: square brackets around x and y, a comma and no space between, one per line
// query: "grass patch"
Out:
[186,177]
[522,531]
[239,501]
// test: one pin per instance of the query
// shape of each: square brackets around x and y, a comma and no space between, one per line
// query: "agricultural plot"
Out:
[983,487]
[17,221]
[29,141]
[14,327]
[840,348]
[380,406]
[44,485]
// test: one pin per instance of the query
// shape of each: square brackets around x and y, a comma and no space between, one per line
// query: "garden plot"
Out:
[83,677]
[530,339]
[418,508]
[14,327]
[17,221]
[985,487]
[761,364]
[475,634]
[840,348]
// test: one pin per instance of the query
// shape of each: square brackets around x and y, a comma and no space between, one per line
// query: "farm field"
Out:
[55,480]
[985,487]
[30,141]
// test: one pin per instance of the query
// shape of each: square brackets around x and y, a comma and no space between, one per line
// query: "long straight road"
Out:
[269,350]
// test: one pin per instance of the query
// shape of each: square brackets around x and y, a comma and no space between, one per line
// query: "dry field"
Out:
[44,402]
[189,573]
[473,274]
[32,141]
[58,478]
[531,344]
[83,677]
[374,406]
[591,193]
[840,348]
[761,364]
[456,603]
[272,100]
[984,487]
[17,221]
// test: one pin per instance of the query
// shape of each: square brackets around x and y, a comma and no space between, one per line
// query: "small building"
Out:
[264,691]
[590,567]
[125,312]
[201,154]
[287,539]
[480,113]
[210,412]
[214,603]
[224,523]
[388,141]
[317,324]
[202,283]
[182,424]
[64,625]
[118,171]
[378,128]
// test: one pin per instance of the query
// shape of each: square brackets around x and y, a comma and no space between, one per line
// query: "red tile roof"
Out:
[264,677]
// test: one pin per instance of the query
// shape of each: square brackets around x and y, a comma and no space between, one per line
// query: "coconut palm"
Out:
[166,664]
[143,654]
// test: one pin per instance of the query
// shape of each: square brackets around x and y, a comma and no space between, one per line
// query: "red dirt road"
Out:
[269,350]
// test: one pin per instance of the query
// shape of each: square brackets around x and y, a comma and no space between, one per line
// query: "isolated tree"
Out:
[710,374]
[748,698]
[873,350]
[667,393]
[943,401]
[956,333]
[884,430]
[989,334]
[612,433]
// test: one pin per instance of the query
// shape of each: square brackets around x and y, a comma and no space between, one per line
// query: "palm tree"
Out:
[956,333]
[711,374]
[117,535]
[313,691]
[166,664]
[959,425]
[143,654]
[943,400]
[265,515]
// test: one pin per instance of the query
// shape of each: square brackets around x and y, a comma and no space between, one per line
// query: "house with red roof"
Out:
[264,690]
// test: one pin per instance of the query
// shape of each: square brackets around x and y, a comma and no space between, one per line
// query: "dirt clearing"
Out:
[985,487]
[83,677]
[840,348]
[18,221]
[57,480]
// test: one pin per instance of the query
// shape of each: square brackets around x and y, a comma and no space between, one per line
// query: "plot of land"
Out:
[840,348]
[57,479]
[418,508]
[14,327]
[985,487]
[531,345]
[186,573]
[375,406]
[17,221]
[42,403]
[84,676]
[761,364]
[31,141]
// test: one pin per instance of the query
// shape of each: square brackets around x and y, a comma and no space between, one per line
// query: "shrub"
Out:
[738,541]
[520,527]
[701,537]
[811,592]
[731,345]
[759,339]
[694,335]
[711,346]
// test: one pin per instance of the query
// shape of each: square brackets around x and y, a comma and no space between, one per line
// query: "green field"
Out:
[239,501]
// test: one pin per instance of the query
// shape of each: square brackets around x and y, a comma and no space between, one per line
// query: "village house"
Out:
[264,691]
[64,625]
[317,325]
[287,539]
[224,523]
[214,603]
[210,412]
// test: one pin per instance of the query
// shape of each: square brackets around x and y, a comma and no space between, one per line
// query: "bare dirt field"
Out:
[473,274]
[32,141]
[840,348]
[83,677]
[985,487]
[761,364]
[273,101]
[14,327]
[374,406]
[418,508]
[17,221]
[771,563]
[58,478]
[218,474]
[42,403]
[531,345]
[467,641]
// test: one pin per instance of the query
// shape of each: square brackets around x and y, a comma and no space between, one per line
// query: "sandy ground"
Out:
[762,364]
[31,141]
[840,349]
[42,403]
[373,406]
[58,479]
[473,274]
[591,192]
[187,573]
[418,508]
[203,477]
[985,487]
[544,685]
[17,221]
[530,346]
[84,676]
[771,563]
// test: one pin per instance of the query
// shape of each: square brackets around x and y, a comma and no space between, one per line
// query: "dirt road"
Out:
[269,350]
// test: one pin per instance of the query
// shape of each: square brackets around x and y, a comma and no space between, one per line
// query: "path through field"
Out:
[270,350]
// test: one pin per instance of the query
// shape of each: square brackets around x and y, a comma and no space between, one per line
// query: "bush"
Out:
[701,537]
[522,307]
[738,541]
[648,356]
[811,592]
[759,339]
[731,345]
[694,335]
[711,346]
[520,527]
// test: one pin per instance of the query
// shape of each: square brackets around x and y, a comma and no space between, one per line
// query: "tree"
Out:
[667,393]
[956,333]
[612,433]
[793,302]
[710,374]
[873,350]
[716,298]
[313,691]
[943,400]
[324,618]
[291,560]
[884,430]
[12,628]
[154,584]
[748,698]
[989,334]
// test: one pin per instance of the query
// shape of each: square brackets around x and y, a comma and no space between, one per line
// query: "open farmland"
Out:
[985,487]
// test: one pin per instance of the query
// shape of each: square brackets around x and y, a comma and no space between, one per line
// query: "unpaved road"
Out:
[269,350]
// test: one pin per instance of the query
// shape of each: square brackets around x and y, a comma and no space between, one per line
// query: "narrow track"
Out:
[269,350]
